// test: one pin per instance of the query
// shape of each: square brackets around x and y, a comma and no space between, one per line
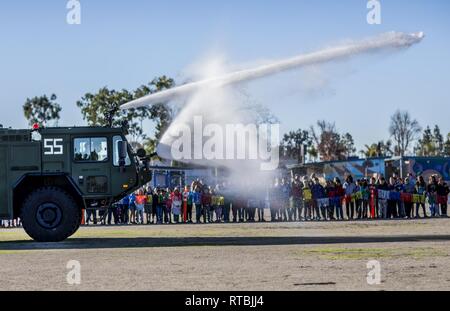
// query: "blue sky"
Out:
[123,44]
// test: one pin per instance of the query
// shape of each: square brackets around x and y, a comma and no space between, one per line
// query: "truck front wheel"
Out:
[50,215]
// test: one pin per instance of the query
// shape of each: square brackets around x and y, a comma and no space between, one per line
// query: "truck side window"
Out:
[93,149]
[116,139]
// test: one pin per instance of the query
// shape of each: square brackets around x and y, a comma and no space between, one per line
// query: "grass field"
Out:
[263,256]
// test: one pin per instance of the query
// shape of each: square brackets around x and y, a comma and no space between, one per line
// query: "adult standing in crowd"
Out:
[187,204]
[373,199]
[149,204]
[140,201]
[307,198]
[421,190]
[442,191]
[432,196]
[392,204]
[132,207]
[160,206]
[168,206]
[176,199]
[350,189]
[207,207]
[226,202]
[295,200]
[330,190]
[399,187]
[409,189]
[318,193]
[340,194]
[197,199]
[383,201]
[274,195]
[284,197]
[155,199]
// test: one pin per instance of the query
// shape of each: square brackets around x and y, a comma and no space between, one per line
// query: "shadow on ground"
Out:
[99,243]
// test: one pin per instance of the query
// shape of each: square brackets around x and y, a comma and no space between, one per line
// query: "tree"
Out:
[294,142]
[42,110]
[431,143]
[380,149]
[447,146]
[348,144]
[425,145]
[330,144]
[103,109]
[150,145]
[313,153]
[403,130]
[438,140]
[385,149]
[371,151]
[261,114]
[255,112]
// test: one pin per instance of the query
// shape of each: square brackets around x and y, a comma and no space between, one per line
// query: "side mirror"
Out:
[122,147]
[141,153]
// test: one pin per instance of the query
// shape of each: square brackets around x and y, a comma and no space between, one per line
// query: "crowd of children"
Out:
[294,199]
[298,199]
[12,223]
[316,199]
[165,206]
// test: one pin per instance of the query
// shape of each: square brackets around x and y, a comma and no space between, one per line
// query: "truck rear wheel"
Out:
[50,214]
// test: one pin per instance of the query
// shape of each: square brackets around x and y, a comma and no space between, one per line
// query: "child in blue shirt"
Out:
[132,207]
[197,200]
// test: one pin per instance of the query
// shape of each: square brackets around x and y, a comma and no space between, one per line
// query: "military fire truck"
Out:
[49,175]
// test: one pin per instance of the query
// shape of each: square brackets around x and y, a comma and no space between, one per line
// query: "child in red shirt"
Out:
[207,206]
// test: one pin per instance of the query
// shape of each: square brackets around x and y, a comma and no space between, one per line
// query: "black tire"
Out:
[50,214]
[75,229]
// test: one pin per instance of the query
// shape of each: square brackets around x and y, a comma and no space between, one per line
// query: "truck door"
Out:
[91,165]
[121,179]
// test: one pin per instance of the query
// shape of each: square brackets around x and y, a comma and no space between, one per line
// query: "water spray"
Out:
[215,99]
[390,40]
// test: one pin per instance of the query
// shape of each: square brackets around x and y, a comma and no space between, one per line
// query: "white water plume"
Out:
[215,99]
[391,40]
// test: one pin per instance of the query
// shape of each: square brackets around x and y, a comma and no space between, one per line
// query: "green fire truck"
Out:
[49,175]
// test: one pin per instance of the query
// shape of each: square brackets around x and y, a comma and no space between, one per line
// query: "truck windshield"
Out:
[116,140]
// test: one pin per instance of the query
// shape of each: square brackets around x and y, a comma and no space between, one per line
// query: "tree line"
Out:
[323,142]
[319,142]
[103,109]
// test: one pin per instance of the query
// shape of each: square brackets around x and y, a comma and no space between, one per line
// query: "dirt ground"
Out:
[413,255]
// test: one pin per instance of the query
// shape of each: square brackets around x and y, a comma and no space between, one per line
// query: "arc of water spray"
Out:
[382,42]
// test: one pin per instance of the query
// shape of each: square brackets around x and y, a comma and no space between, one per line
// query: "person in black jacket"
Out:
[155,198]
[391,203]
[383,202]
[442,191]
[432,196]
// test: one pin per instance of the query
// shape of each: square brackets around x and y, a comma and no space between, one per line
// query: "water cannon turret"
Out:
[125,126]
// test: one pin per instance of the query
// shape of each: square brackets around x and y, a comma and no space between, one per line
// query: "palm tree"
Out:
[370,151]
[380,149]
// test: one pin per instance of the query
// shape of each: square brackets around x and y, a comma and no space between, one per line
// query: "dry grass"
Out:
[347,253]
